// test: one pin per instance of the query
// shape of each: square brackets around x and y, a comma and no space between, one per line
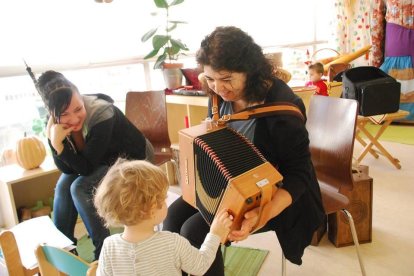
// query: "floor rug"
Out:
[403,134]
[243,261]
[240,261]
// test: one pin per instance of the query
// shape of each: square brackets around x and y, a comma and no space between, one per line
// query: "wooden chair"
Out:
[331,125]
[147,111]
[56,261]
[92,269]
[11,256]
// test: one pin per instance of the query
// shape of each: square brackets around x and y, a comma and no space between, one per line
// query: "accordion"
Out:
[221,169]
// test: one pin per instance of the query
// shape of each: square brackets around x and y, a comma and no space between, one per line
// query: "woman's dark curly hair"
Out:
[231,49]
[56,91]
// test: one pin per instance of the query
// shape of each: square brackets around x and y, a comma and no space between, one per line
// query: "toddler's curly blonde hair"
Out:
[129,191]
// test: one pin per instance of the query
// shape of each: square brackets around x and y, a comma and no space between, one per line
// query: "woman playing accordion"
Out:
[236,70]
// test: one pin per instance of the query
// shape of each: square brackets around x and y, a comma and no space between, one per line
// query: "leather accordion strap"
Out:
[263,111]
[267,193]
[257,111]
[214,108]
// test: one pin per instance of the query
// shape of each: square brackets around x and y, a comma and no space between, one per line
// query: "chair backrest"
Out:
[11,256]
[147,111]
[54,261]
[331,126]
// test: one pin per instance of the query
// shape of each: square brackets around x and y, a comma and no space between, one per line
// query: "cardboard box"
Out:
[360,207]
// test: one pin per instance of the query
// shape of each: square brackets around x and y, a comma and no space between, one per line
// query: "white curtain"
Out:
[351,24]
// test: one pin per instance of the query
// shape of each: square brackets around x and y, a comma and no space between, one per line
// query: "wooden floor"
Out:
[390,252]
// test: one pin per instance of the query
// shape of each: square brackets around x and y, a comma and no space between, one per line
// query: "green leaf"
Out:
[161,4]
[149,34]
[158,41]
[160,61]
[177,22]
[176,2]
[152,54]
[173,26]
[179,44]
[173,50]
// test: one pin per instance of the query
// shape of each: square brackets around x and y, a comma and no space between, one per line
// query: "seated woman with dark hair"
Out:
[86,134]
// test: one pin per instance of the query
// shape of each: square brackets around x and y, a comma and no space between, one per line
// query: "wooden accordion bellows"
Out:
[221,169]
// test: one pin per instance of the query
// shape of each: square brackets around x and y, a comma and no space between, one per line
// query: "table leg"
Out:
[367,147]
[364,144]
[374,142]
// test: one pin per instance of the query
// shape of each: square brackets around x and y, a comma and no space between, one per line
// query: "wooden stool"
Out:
[386,120]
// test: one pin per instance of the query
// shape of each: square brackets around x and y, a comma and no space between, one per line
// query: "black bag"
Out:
[375,91]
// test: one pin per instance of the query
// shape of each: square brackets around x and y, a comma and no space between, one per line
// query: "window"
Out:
[98,46]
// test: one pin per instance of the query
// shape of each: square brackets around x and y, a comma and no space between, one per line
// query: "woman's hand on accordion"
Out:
[221,224]
[253,220]
[250,220]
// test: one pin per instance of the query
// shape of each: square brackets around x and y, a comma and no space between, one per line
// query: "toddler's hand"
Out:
[221,224]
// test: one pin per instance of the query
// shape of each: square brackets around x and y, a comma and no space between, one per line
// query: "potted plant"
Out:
[166,46]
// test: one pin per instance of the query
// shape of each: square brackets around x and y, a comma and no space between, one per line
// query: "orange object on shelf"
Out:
[347,58]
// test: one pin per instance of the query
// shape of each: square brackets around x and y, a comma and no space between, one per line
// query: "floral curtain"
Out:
[393,45]
[352,27]
[387,25]
[398,12]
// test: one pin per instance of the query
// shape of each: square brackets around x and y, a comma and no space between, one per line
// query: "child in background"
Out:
[315,75]
[133,194]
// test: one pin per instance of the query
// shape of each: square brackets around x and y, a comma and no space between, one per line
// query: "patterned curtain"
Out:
[378,32]
[387,25]
[352,27]
[393,45]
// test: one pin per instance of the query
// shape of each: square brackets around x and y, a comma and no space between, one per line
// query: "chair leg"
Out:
[283,265]
[355,238]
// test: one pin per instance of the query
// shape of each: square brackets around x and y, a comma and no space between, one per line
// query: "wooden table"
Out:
[305,93]
[385,120]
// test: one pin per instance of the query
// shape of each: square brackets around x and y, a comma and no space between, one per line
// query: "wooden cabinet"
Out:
[360,207]
[23,188]
[178,107]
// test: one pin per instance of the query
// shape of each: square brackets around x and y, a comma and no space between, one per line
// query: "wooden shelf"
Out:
[179,107]
[23,188]
[187,100]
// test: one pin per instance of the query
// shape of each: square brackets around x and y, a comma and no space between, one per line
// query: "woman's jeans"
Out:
[73,195]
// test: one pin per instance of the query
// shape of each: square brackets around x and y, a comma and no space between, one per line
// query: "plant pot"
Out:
[173,77]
